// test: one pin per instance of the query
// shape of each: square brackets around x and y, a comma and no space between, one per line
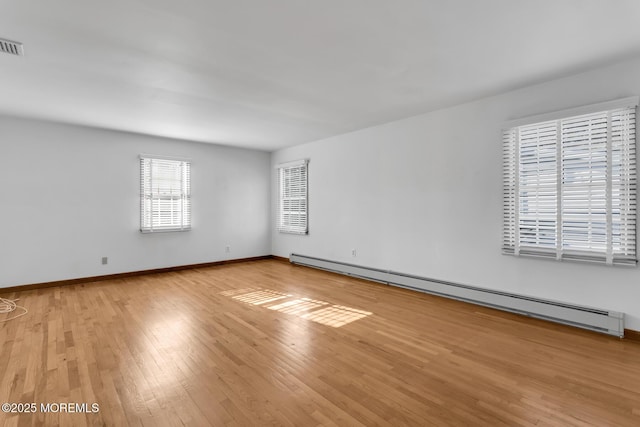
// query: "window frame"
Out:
[622,172]
[147,196]
[299,226]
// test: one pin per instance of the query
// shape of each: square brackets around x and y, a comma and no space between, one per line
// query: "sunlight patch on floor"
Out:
[256,297]
[336,315]
[306,308]
[232,292]
[297,305]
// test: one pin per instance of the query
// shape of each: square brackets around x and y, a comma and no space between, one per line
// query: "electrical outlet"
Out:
[227,249]
[353,252]
[105,260]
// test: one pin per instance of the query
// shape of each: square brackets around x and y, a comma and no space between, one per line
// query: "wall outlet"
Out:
[105,260]
[227,249]
[353,252]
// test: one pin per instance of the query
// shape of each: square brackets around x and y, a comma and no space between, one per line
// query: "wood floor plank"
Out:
[268,343]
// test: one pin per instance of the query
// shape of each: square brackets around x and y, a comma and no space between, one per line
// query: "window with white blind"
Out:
[165,194]
[570,184]
[293,197]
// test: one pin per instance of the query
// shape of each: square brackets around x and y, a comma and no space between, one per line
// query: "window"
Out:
[165,195]
[570,185]
[293,203]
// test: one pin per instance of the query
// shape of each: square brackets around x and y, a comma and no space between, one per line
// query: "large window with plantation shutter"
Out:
[293,194]
[165,194]
[570,184]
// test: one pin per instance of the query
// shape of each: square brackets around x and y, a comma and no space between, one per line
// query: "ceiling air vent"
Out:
[14,48]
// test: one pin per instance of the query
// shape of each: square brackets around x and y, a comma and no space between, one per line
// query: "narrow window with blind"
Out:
[293,198]
[569,189]
[165,195]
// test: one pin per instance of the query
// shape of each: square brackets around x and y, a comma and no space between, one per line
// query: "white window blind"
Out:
[165,194]
[570,187]
[293,197]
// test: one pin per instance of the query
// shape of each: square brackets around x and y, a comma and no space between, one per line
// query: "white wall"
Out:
[70,195]
[424,196]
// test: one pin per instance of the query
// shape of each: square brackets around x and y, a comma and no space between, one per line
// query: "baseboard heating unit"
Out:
[605,321]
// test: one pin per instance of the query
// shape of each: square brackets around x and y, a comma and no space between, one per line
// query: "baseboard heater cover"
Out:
[599,320]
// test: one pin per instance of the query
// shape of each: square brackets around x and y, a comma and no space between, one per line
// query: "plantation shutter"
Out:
[293,195]
[584,186]
[569,186]
[509,190]
[623,186]
[538,175]
[165,194]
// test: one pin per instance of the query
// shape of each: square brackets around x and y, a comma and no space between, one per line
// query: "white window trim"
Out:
[632,101]
[279,226]
[185,196]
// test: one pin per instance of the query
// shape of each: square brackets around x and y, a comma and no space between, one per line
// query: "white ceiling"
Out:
[270,74]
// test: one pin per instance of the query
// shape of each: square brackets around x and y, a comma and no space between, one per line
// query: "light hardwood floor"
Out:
[267,343]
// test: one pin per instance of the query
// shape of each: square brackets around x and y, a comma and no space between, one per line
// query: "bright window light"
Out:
[570,186]
[165,195]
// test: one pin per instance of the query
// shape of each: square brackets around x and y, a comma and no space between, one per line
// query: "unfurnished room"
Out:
[319,213]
